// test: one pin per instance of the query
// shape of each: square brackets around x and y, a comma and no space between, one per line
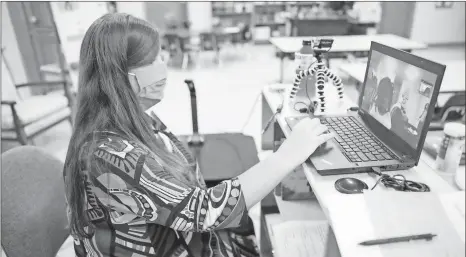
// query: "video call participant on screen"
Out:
[422,118]
[383,100]
[370,90]
[399,118]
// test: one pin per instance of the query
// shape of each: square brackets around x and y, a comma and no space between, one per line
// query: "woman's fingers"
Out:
[312,123]
[325,137]
[320,129]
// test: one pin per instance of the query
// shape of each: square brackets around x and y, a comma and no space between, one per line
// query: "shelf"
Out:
[304,3]
[300,209]
[269,4]
[320,18]
[270,24]
[230,13]
[261,42]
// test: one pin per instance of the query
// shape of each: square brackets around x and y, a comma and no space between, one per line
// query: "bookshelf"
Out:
[232,13]
[269,20]
[266,19]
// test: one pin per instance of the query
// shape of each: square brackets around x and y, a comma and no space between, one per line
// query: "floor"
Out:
[227,94]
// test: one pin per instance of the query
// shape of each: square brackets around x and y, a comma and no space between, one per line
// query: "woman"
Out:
[422,119]
[370,90]
[399,118]
[383,101]
[132,189]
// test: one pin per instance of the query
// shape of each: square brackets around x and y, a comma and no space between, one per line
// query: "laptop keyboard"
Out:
[358,144]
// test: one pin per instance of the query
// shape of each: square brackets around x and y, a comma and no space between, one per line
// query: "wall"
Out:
[13,57]
[8,88]
[73,24]
[12,53]
[396,18]
[200,15]
[439,26]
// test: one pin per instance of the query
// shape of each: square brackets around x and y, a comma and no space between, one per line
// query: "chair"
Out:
[24,118]
[245,33]
[454,109]
[34,219]
[177,46]
[220,156]
[209,42]
[223,156]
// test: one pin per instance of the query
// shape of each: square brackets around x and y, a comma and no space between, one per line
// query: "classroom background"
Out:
[226,48]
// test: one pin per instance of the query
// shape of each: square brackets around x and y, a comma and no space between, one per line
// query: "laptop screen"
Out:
[397,95]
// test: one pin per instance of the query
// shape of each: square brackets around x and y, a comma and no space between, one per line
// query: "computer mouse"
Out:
[350,186]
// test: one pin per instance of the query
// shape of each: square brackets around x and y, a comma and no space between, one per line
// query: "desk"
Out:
[344,44]
[453,79]
[326,195]
[319,26]
[183,33]
[360,27]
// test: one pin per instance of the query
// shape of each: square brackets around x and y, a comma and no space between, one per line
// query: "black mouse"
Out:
[350,186]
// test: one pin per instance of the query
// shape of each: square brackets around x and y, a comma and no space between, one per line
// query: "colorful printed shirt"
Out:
[139,209]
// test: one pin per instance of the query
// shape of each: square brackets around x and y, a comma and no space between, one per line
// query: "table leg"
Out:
[267,137]
[282,64]
[327,59]
[331,249]
[278,136]
[268,206]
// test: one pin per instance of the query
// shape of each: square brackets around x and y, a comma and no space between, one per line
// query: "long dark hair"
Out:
[383,101]
[112,45]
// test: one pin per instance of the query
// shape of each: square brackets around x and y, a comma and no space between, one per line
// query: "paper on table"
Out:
[454,205]
[395,214]
[300,238]
[461,208]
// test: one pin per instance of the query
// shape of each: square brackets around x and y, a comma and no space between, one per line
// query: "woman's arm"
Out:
[137,188]
[262,178]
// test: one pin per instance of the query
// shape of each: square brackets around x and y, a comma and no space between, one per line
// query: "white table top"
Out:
[349,43]
[324,189]
[350,220]
[453,79]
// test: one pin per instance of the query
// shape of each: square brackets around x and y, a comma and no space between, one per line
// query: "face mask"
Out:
[151,80]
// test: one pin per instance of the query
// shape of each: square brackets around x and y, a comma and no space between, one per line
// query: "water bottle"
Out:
[304,58]
[450,151]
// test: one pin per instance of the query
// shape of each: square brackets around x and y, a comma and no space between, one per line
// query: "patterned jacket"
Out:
[139,209]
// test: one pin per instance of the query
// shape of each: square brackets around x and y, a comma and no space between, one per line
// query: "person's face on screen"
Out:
[385,105]
[384,96]
[404,99]
[149,82]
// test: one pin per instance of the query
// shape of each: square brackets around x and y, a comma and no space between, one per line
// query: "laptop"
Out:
[388,131]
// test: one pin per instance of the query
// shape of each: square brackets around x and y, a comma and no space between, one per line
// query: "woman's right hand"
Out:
[305,138]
